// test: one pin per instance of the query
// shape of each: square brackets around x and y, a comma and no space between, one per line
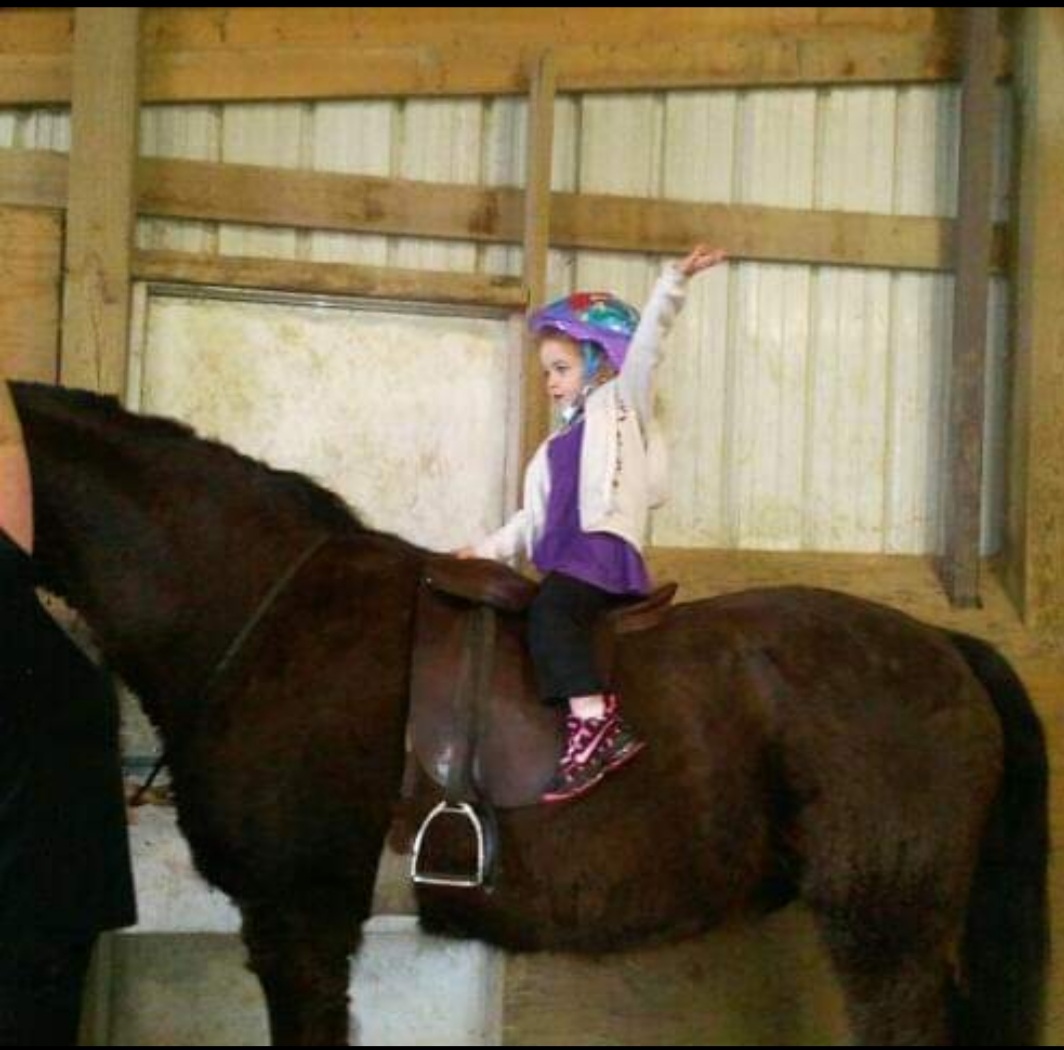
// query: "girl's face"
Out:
[563,369]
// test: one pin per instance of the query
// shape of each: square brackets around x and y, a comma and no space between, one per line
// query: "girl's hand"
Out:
[465,553]
[702,257]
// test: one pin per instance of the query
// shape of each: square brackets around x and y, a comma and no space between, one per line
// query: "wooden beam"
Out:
[181,189]
[35,80]
[757,233]
[538,166]
[34,178]
[257,54]
[28,30]
[36,45]
[30,263]
[328,201]
[289,275]
[101,213]
[537,28]
[242,193]
[962,505]
[1033,558]
[754,60]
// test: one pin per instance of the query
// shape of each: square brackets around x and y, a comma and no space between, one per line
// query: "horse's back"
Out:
[809,651]
[884,748]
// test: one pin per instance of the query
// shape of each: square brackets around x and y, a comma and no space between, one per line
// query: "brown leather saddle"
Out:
[477,726]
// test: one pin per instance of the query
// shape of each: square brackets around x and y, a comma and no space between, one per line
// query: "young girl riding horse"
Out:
[587,496]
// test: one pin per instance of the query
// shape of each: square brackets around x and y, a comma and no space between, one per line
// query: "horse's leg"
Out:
[886,868]
[299,948]
[896,994]
[888,896]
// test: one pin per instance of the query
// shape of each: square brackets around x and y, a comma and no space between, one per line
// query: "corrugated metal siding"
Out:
[262,134]
[505,143]
[804,405]
[355,138]
[847,440]
[35,129]
[439,141]
[185,133]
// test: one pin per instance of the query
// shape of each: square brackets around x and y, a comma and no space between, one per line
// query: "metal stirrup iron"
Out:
[461,798]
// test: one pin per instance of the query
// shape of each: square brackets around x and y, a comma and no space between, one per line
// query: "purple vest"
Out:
[598,558]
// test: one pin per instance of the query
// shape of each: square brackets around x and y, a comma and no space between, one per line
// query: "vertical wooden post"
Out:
[1033,558]
[958,565]
[537,236]
[101,212]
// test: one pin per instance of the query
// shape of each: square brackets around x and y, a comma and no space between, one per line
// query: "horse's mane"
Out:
[161,438]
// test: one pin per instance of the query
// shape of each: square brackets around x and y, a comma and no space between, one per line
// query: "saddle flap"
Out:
[515,740]
[518,739]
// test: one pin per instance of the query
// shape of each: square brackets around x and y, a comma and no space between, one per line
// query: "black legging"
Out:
[561,636]
[41,987]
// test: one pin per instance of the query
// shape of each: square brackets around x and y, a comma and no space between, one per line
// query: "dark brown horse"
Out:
[804,744]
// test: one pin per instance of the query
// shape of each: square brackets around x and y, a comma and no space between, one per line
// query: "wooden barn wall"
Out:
[804,404]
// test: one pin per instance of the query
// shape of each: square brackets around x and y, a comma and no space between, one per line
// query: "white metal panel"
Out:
[565,174]
[187,133]
[771,310]
[621,144]
[273,134]
[505,163]
[921,326]
[847,392]
[928,150]
[440,141]
[695,378]
[918,357]
[44,129]
[846,410]
[354,137]
[766,407]
[619,153]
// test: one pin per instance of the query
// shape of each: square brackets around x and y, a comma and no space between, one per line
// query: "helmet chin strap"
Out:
[576,407]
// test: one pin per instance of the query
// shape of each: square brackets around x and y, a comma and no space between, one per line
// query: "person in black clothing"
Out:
[65,871]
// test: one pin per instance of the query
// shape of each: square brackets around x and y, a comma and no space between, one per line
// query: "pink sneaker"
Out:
[595,747]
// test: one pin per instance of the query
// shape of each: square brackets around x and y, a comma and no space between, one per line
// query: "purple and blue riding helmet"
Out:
[591,317]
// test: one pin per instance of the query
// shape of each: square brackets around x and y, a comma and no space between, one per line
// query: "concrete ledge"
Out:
[407,988]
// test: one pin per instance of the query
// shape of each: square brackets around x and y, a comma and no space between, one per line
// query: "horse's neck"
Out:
[165,567]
